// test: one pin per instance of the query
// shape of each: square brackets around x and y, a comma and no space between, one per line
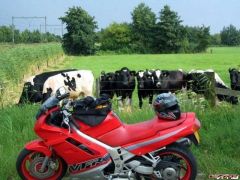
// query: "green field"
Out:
[219,149]
[220,60]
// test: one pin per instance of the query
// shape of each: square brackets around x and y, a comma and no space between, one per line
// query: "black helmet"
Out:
[166,106]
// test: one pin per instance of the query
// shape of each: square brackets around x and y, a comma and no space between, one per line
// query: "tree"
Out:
[230,36]
[116,37]
[5,34]
[144,21]
[80,36]
[170,33]
[35,37]
[215,39]
[198,37]
[203,39]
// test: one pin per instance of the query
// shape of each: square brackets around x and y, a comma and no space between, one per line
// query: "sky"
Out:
[213,13]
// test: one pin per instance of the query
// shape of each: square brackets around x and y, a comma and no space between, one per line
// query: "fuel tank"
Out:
[110,123]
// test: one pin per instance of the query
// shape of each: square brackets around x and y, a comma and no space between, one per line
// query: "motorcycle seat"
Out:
[126,134]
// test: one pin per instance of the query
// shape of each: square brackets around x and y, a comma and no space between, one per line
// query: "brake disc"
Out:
[35,166]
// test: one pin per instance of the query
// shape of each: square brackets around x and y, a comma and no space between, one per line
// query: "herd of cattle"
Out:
[122,83]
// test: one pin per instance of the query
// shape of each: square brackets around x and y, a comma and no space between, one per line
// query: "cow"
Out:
[33,86]
[107,84]
[199,79]
[145,85]
[125,84]
[169,81]
[157,80]
[235,79]
[77,82]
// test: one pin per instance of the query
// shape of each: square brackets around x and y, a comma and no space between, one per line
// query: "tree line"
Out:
[229,36]
[147,33]
[26,36]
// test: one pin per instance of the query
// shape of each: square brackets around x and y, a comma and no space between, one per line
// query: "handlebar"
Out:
[70,119]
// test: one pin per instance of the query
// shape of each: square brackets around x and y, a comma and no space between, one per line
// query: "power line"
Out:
[29,17]
[53,25]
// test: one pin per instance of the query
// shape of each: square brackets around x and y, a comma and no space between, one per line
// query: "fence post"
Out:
[210,93]
[97,88]
[1,94]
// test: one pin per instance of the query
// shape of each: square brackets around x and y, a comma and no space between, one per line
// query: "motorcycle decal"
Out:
[76,168]
[146,143]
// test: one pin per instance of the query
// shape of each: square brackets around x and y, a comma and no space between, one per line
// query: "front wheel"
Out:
[177,162]
[29,164]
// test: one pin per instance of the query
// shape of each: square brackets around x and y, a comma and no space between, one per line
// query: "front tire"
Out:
[29,163]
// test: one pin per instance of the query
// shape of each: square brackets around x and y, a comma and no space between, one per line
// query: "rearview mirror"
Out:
[62,93]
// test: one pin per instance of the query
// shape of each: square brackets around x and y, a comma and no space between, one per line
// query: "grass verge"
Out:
[18,61]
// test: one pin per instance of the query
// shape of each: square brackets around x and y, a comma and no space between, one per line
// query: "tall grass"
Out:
[16,62]
[217,153]
[16,129]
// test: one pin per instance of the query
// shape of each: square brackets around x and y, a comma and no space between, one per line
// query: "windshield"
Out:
[49,103]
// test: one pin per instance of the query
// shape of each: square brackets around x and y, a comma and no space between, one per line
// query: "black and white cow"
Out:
[125,84]
[77,82]
[235,79]
[199,75]
[169,81]
[145,86]
[33,86]
[107,84]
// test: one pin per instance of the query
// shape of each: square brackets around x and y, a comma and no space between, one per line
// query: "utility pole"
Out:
[45,24]
[62,29]
[13,29]
[31,17]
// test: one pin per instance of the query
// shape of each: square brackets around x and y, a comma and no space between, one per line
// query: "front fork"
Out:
[44,164]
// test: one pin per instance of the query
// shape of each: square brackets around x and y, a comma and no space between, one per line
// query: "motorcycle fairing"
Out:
[58,139]
[40,146]
[91,164]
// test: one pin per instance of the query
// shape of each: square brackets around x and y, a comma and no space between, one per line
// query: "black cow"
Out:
[235,79]
[169,81]
[32,90]
[125,85]
[107,84]
[199,82]
[145,86]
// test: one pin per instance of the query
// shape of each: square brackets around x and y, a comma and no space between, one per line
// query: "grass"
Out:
[18,61]
[219,149]
[15,61]
[16,129]
[220,60]
[217,153]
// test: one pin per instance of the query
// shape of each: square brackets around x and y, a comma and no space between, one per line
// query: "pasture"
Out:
[219,149]
[220,60]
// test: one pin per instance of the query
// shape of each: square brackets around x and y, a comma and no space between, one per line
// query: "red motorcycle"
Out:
[90,142]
